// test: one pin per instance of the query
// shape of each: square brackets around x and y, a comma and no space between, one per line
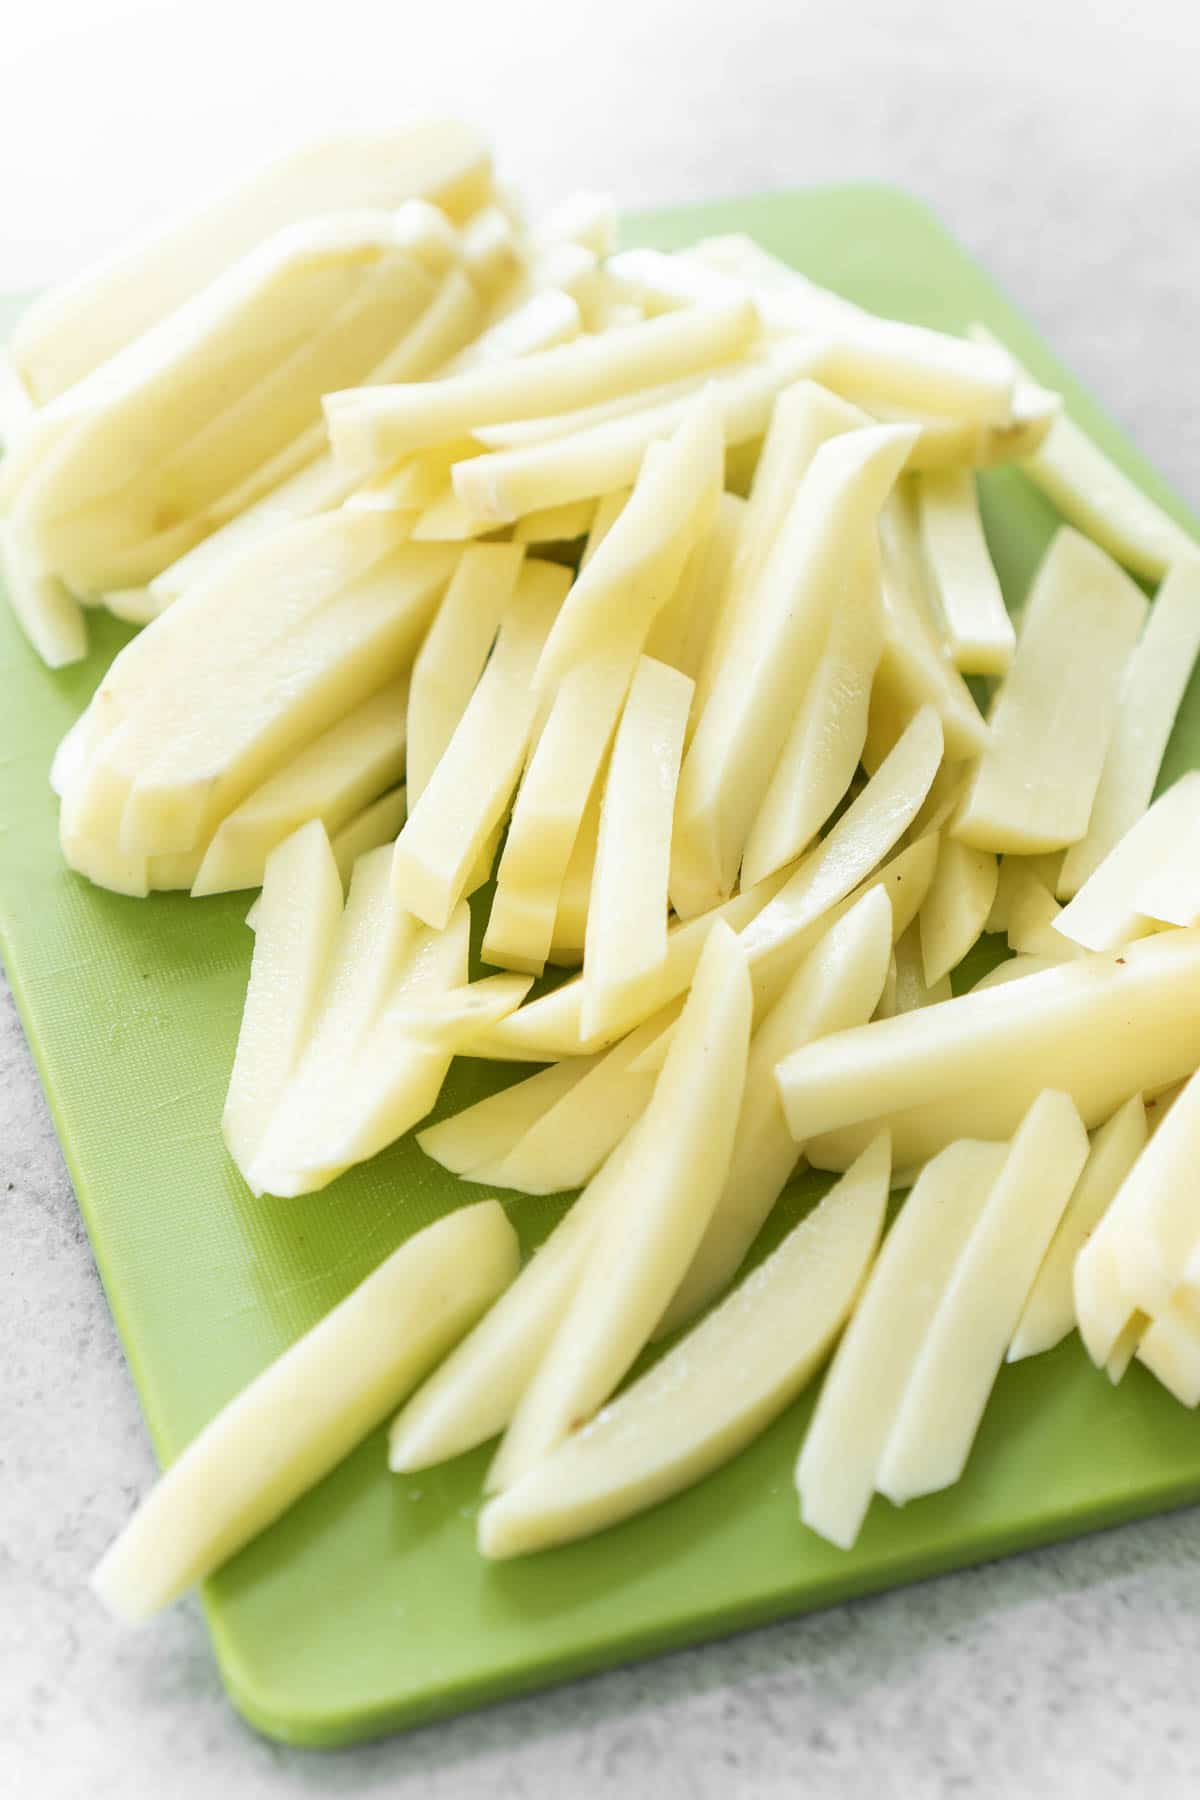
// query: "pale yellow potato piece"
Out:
[469,791]
[555,524]
[978,630]
[838,984]
[617,598]
[413,482]
[374,426]
[1102,1027]
[448,520]
[1170,1348]
[821,754]
[1153,1225]
[310,1407]
[871,825]
[278,494]
[716,1391]
[839,1463]
[549,1027]
[585,217]
[332,779]
[454,652]
[71,756]
[70,330]
[1015,969]
[626,941]
[525,434]
[568,1143]
[106,486]
[372,941]
[745,723]
[914,668]
[474,1393]
[976,1314]
[136,606]
[493,253]
[608,510]
[681,633]
[236,616]
[676,1166]
[544,320]
[1033,915]
[549,807]
[1093,494]
[49,615]
[956,907]
[1054,714]
[574,896]
[1106,1317]
[1098,1026]
[507,483]
[1110,907]
[451,1017]
[945,443]
[1049,1312]
[803,418]
[375,826]
[295,932]
[373,1097]
[778,929]
[228,741]
[482,1135]
[1155,679]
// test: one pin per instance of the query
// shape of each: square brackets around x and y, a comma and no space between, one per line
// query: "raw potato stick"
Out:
[574,1136]
[500,487]
[548,811]
[486,1132]
[626,941]
[1054,714]
[957,906]
[745,723]
[677,1161]
[240,735]
[308,1409]
[299,913]
[633,574]
[333,779]
[1111,907]
[1102,1028]
[371,426]
[821,754]
[838,1465]
[1049,1313]
[454,652]
[372,828]
[470,789]
[972,1326]
[1099,499]
[978,630]
[474,1393]
[67,332]
[716,1391]
[838,984]
[1155,679]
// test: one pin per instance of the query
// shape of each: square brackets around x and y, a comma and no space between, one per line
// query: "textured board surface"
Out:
[367,1607]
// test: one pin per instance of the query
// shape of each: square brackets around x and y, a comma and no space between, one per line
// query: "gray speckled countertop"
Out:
[1060,140]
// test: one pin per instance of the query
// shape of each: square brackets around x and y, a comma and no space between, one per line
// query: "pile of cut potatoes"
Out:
[639,602]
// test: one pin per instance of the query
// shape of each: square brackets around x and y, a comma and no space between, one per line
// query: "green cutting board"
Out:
[367,1607]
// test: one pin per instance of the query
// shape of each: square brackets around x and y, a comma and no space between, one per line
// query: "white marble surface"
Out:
[1059,138]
